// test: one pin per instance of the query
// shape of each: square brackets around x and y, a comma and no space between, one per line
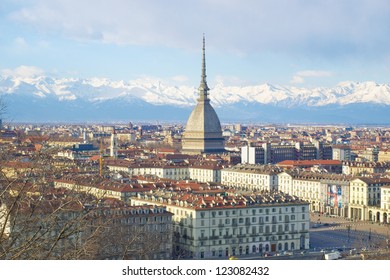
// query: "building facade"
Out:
[251,177]
[216,227]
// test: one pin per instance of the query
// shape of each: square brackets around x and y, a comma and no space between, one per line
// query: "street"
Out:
[339,233]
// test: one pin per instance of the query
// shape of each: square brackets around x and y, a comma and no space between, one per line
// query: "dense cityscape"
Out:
[197,191]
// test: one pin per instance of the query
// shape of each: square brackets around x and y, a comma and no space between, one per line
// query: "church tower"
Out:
[114,144]
[203,133]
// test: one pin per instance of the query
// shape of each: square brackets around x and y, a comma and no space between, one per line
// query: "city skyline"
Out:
[293,44]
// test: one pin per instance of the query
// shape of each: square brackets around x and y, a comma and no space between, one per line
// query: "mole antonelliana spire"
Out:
[203,88]
[203,133]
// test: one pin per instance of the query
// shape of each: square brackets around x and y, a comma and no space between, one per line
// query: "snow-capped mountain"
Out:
[42,98]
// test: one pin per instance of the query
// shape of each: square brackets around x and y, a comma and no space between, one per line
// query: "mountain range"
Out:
[49,99]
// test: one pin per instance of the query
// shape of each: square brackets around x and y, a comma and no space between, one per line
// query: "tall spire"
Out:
[203,88]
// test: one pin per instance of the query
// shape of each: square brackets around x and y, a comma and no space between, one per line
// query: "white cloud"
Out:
[180,78]
[297,80]
[299,77]
[228,81]
[236,26]
[20,43]
[23,71]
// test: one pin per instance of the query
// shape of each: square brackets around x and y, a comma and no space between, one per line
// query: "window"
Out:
[260,229]
[292,217]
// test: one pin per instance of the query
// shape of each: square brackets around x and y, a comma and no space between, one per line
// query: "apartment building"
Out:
[385,204]
[200,171]
[251,177]
[365,198]
[204,172]
[216,226]
[326,193]
[158,169]
[361,168]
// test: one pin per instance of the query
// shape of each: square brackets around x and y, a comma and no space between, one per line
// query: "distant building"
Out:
[341,152]
[270,153]
[251,177]
[333,166]
[114,144]
[362,168]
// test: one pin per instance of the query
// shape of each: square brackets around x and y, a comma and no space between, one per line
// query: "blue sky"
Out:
[293,42]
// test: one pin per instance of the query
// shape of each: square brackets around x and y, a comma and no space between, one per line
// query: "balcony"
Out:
[221,225]
[203,238]
[227,236]
[213,237]
[234,224]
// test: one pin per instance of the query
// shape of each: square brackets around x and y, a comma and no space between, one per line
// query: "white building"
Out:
[326,193]
[220,225]
[205,173]
[201,172]
[251,176]
[365,198]
[385,204]
[168,171]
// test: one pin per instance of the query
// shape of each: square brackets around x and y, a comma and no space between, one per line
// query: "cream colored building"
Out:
[221,225]
[384,156]
[200,172]
[365,198]
[361,168]
[326,193]
[385,204]
[251,176]
[174,172]
[205,173]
